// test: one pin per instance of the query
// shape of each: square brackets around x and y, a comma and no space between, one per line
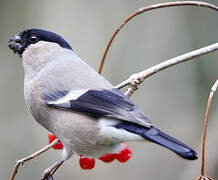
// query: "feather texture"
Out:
[103,103]
[155,135]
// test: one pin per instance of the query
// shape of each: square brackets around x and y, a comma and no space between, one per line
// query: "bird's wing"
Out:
[98,103]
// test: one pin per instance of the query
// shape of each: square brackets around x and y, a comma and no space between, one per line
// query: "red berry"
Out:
[51,138]
[108,157]
[124,154]
[86,163]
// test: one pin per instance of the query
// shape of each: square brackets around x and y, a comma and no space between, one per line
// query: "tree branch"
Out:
[148,8]
[32,156]
[136,79]
[203,147]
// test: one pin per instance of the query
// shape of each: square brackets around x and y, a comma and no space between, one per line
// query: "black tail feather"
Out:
[155,135]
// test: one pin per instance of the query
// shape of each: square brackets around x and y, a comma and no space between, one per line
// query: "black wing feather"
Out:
[104,103]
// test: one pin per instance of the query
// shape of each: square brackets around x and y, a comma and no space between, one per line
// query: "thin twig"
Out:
[203,147]
[148,8]
[28,158]
[135,79]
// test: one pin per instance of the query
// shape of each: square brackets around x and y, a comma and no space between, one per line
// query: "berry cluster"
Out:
[89,163]
[51,138]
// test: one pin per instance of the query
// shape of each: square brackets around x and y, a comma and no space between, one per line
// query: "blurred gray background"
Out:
[174,100]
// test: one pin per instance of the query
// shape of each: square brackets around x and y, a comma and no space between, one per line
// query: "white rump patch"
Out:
[112,134]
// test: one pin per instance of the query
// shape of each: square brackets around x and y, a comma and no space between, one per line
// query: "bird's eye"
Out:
[34,39]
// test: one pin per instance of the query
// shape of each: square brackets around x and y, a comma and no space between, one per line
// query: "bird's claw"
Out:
[47,176]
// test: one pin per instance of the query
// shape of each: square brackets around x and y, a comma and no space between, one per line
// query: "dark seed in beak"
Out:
[15,44]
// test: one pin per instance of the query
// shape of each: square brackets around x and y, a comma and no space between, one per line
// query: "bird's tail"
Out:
[155,135]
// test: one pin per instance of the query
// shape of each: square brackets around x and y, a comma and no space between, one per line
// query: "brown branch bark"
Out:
[28,158]
[203,175]
[148,8]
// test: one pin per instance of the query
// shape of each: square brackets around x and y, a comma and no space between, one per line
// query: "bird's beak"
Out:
[16,45]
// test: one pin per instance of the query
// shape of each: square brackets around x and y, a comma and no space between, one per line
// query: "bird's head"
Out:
[21,41]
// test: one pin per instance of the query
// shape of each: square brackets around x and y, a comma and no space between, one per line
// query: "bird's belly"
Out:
[99,150]
[79,133]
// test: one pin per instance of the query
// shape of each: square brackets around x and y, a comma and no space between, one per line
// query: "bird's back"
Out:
[69,72]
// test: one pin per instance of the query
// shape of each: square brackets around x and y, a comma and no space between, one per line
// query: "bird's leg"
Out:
[55,169]
[48,173]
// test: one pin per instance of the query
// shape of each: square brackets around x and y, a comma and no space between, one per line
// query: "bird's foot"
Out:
[47,175]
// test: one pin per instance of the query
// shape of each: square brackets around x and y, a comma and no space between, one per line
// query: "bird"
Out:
[79,106]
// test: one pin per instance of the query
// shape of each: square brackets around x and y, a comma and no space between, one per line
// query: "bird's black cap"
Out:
[21,41]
